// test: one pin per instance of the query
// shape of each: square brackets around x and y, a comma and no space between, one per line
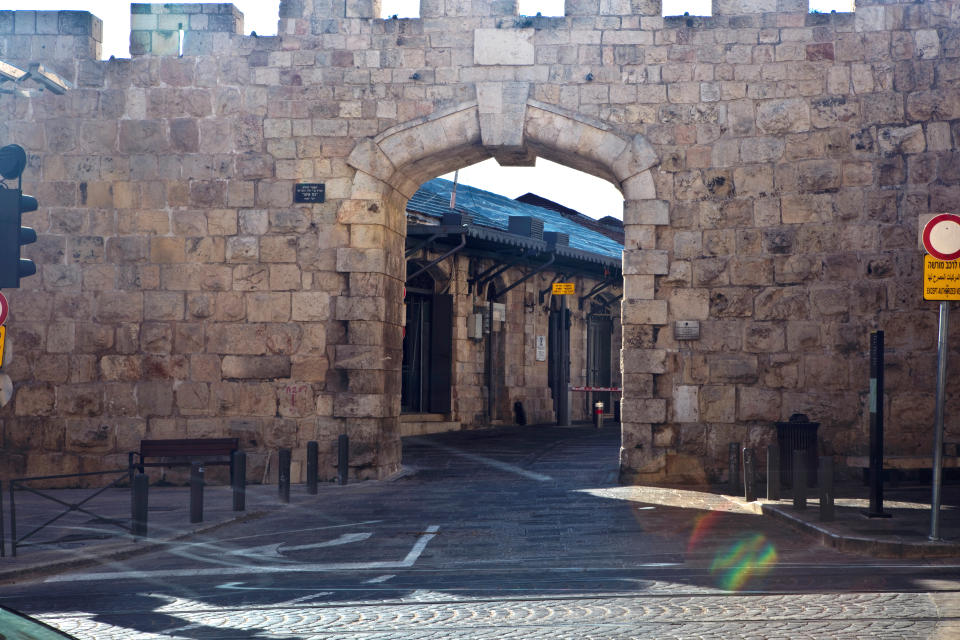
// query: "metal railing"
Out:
[20,484]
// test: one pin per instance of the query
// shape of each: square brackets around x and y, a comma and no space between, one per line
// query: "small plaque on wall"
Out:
[309,192]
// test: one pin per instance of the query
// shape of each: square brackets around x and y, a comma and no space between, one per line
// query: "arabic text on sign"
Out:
[941,279]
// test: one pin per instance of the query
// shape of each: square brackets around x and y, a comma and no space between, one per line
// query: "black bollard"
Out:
[749,488]
[138,505]
[799,480]
[773,472]
[283,475]
[238,480]
[196,492]
[825,478]
[875,472]
[734,468]
[598,415]
[343,458]
[312,456]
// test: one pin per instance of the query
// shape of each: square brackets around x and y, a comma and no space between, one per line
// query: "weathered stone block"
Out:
[256,367]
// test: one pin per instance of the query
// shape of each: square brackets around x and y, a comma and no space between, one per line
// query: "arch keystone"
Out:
[502,107]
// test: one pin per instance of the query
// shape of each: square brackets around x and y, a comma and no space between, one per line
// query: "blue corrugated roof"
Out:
[493,210]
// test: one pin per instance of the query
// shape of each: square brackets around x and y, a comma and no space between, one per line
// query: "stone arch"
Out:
[506,124]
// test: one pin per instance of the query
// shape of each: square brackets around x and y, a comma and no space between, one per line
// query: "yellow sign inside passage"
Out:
[563,289]
[941,279]
[3,339]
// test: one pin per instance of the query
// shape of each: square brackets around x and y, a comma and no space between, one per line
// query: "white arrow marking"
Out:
[274,550]
[407,562]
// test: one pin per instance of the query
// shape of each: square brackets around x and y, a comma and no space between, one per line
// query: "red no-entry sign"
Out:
[941,236]
[4,308]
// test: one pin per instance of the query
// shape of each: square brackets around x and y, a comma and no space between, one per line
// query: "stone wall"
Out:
[774,165]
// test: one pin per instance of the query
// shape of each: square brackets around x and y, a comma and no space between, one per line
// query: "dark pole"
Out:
[343,458]
[825,471]
[312,455]
[283,475]
[13,522]
[749,489]
[799,479]
[138,505]
[196,492]
[563,406]
[773,472]
[876,426]
[239,480]
[489,360]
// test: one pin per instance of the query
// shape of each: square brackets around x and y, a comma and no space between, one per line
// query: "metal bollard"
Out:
[749,488]
[773,472]
[825,477]
[799,480]
[283,475]
[734,470]
[196,492]
[312,455]
[598,415]
[343,458]
[138,505]
[238,480]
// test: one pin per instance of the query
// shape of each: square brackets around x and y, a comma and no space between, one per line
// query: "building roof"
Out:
[491,210]
[607,225]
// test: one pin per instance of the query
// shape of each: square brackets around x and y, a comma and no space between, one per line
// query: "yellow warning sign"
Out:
[3,339]
[941,279]
[563,289]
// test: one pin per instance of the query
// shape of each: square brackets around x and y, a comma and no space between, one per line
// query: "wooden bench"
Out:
[207,448]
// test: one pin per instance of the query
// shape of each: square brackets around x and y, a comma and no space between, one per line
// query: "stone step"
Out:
[424,428]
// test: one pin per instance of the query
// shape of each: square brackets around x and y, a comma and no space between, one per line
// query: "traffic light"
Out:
[13,204]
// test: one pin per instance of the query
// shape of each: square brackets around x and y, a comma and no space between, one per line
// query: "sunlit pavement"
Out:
[508,534]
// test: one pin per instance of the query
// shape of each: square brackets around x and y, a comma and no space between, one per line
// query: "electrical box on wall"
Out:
[475,326]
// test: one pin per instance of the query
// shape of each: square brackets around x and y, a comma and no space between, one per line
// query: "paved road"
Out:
[509,534]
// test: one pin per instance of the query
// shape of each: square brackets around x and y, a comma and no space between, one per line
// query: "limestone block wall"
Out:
[774,164]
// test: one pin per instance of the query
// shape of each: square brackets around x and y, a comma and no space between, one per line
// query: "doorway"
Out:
[427,347]
[599,332]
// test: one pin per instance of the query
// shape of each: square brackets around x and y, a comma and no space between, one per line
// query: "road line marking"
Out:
[379,579]
[407,562]
[490,462]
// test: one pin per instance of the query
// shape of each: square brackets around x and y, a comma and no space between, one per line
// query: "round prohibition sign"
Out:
[4,308]
[941,236]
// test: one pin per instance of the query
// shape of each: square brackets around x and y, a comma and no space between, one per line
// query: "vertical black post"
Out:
[749,488]
[876,426]
[238,480]
[139,502]
[563,406]
[734,471]
[799,480]
[825,473]
[3,548]
[312,456]
[196,492]
[283,475]
[13,522]
[343,458]
[773,472]
[616,411]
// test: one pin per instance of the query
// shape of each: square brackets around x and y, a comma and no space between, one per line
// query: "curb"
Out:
[112,551]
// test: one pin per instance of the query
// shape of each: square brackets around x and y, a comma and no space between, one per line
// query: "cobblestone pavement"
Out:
[512,534]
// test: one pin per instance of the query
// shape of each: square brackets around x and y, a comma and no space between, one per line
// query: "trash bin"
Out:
[797,433]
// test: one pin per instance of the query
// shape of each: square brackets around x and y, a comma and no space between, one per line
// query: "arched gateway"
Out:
[503,123]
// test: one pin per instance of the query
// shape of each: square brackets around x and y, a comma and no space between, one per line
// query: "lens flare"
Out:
[748,559]
[701,530]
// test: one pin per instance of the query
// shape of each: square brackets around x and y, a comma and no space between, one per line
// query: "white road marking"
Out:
[407,562]
[379,579]
[490,462]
